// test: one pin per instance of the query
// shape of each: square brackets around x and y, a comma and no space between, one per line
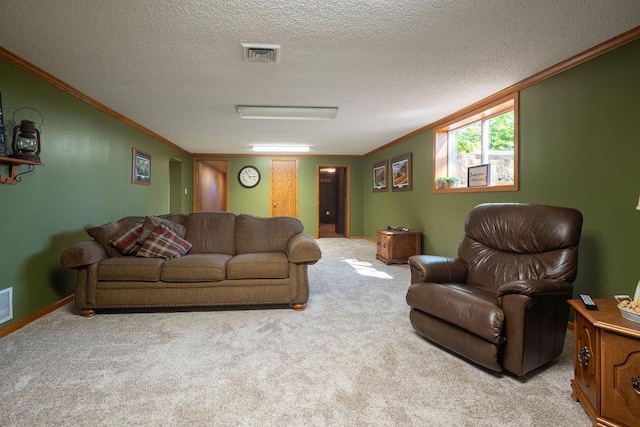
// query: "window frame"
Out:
[484,112]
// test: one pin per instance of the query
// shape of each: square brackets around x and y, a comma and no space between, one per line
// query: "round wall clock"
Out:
[249,176]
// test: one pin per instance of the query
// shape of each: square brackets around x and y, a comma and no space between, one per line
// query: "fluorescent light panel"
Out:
[280,148]
[286,113]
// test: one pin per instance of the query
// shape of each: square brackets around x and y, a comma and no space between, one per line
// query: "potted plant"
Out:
[440,182]
[450,182]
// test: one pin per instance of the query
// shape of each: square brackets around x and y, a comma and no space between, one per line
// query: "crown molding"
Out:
[34,70]
[589,54]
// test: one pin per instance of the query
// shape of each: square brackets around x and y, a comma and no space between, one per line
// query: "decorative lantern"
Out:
[26,141]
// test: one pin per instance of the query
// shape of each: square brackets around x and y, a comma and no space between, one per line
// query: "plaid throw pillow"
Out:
[163,243]
[127,242]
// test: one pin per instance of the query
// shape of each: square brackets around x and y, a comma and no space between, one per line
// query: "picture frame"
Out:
[479,176]
[379,176]
[401,173]
[140,167]
[3,145]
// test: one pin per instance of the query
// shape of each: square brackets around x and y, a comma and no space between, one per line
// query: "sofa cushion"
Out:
[163,243]
[265,265]
[211,232]
[127,242]
[196,268]
[130,269]
[104,233]
[468,307]
[255,234]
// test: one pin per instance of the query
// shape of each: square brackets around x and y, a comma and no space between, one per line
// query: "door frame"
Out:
[347,197]
[197,160]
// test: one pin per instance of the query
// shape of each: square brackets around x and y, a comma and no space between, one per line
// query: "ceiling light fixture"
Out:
[286,113]
[280,148]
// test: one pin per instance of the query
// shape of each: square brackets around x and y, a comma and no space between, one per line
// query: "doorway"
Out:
[333,197]
[210,185]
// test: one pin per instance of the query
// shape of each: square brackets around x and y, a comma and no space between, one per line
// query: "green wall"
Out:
[255,200]
[86,181]
[579,147]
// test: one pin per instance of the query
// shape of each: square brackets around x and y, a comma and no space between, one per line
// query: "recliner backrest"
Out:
[504,242]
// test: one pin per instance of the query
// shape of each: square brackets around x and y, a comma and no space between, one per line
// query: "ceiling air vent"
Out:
[257,52]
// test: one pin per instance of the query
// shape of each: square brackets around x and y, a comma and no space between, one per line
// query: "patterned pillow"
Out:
[103,234]
[163,243]
[151,222]
[127,242]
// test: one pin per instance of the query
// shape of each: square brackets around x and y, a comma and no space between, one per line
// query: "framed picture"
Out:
[401,173]
[478,176]
[380,176]
[3,146]
[141,167]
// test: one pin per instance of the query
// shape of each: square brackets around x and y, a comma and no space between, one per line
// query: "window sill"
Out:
[488,189]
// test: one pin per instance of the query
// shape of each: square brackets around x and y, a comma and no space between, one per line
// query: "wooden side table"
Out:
[395,247]
[606,364]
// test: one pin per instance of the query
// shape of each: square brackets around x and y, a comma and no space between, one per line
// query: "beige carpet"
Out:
[351,359]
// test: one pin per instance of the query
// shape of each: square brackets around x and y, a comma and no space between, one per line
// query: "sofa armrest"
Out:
[535,287]
[437,269]
[303,249]
[83,253]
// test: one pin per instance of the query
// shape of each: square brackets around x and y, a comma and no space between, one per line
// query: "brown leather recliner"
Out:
[502,303]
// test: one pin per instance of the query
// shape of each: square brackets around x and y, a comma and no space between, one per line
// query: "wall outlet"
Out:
[6,305]
[185,191]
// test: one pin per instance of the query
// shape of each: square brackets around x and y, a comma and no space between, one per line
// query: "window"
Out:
[486,136]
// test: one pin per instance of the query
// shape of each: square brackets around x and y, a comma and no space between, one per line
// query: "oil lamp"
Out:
[26,141]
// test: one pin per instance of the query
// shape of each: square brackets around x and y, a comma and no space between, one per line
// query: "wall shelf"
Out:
[13,169]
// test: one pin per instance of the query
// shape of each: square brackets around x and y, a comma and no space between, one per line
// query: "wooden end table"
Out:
[606,364]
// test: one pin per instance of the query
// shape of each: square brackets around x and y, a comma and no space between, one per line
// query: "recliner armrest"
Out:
[535,287]
[437,269]
[83,253]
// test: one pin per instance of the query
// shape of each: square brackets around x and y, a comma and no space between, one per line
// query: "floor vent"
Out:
[6,305]
[257,52]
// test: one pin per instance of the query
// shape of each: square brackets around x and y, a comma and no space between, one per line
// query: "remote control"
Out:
[588,302]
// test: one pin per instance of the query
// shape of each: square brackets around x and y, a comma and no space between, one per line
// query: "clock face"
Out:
[249,176]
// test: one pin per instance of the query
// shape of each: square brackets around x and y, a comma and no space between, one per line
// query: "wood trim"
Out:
[35,316]
[440,146]
[39,73]
[589,54]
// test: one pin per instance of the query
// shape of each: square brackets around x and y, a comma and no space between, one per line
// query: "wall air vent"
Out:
[257,52]
[6,305]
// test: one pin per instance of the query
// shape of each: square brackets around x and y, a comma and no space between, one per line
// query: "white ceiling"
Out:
[391,67]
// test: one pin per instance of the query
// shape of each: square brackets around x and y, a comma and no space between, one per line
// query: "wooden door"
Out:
[284,187]
[210,185]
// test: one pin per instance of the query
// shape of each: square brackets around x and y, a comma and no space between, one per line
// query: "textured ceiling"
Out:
[391,67]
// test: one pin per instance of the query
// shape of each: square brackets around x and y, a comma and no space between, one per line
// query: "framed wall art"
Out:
[3,146]
[380,176]
[141,167]
[401,173]
[478,176]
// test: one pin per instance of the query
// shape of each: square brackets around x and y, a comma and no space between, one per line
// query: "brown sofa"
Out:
[502,302]
[234,260]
